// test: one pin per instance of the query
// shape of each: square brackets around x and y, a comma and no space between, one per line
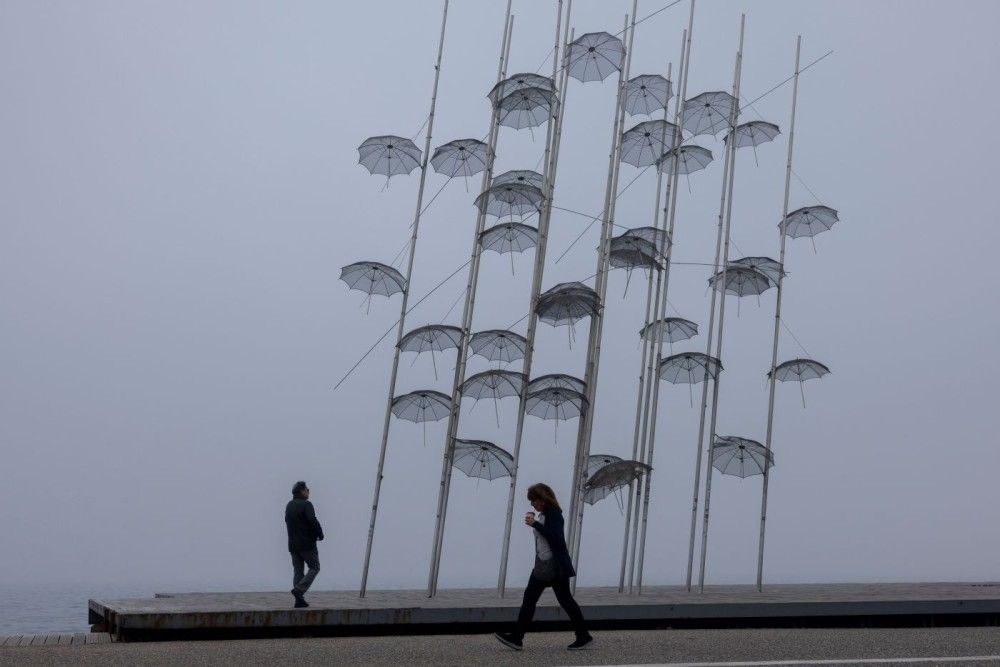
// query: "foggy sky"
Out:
[179,188]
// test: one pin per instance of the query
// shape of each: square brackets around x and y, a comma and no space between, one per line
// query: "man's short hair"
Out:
[298,488]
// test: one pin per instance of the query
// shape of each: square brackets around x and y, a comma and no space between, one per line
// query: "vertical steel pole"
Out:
[731,147]
[777,317]
[402,307]
[643,391]
[650,419]
[601,284]
[551,160]
[467,310]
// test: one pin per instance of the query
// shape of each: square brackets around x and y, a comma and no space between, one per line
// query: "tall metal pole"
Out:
[551,161]
[650,317]
[704,389]
[651,410]
[601,285]
[467,311]
[731,147]
[402,307]
[777,317]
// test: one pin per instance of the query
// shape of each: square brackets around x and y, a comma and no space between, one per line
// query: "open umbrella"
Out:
[498,345]
[595,56]
[646,93]
[431,338]
[478,458]
[740,457]
[422,406]
[373,278]
[799,370]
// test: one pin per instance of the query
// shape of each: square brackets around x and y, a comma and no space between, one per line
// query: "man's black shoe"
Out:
[299,600]
[580,643]
[509,640]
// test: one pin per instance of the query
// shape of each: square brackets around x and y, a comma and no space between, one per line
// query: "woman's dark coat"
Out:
[552,530]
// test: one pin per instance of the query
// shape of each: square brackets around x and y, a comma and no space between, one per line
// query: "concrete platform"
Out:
[221,615]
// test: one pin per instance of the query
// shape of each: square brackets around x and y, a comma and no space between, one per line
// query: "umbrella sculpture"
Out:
[741,281]
[523,176]
[559,380]
[708,113]
[595,56]
[496,384]
[689,368]
[670,329]
[510,199]
[631,252]
[690,158]
[388,156]
[526,108]
[373,278]
[654,235]
[740,457]
[517,82]
[597,461]
[431,338]
[809,221]
[556,403]
[612,477]
[566,304]
[799,370]
[422,406]
[509,237]
[462,157]
[478,458]
[646,142]
[646,93]
[769,267]
[498,345]
[754,133]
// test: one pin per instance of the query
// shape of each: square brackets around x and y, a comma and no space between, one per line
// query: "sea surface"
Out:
[52,608]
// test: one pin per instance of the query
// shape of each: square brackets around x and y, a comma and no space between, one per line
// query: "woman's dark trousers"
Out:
[560,587]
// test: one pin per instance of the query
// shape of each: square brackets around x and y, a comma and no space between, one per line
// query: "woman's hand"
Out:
[529,519]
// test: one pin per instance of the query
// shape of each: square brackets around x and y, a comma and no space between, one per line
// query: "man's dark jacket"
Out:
[552,530]
[303,527]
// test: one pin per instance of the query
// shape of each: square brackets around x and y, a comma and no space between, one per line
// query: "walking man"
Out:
[303,532]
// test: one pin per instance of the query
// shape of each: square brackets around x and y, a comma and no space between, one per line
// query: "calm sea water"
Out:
[51,608]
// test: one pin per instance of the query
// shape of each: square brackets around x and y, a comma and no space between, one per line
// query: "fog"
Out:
[179,188]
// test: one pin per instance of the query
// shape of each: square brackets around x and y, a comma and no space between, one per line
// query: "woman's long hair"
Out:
[544,493]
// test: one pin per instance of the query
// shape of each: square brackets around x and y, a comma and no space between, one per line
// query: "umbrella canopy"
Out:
[631,252]
[689,368]
[595,56]
[740,457]
[518,82]
[769,267]
[646,93]
[754,133]
[567,303]
[670,329]
[741,281]
[526,108]
[510,199]
[423,405]
[478,458]
[498,345]
[462,157]
[388,155]
[431,338]
[373,278]
[708,113]
[509,237]
[690,158]
[809,221]
[556,403]
[799,370]
[612,476]
[522,176]
[597,461]
[556,380]
[645,143]
[493,384]
[652,234]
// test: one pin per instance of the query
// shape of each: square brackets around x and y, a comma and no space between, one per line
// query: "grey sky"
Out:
[179,189]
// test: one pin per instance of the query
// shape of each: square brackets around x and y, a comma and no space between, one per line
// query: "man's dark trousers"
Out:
[302,580]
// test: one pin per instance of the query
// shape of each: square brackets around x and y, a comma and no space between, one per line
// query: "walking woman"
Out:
[553,567]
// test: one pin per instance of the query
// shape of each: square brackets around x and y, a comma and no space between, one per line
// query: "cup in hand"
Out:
[529,516]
